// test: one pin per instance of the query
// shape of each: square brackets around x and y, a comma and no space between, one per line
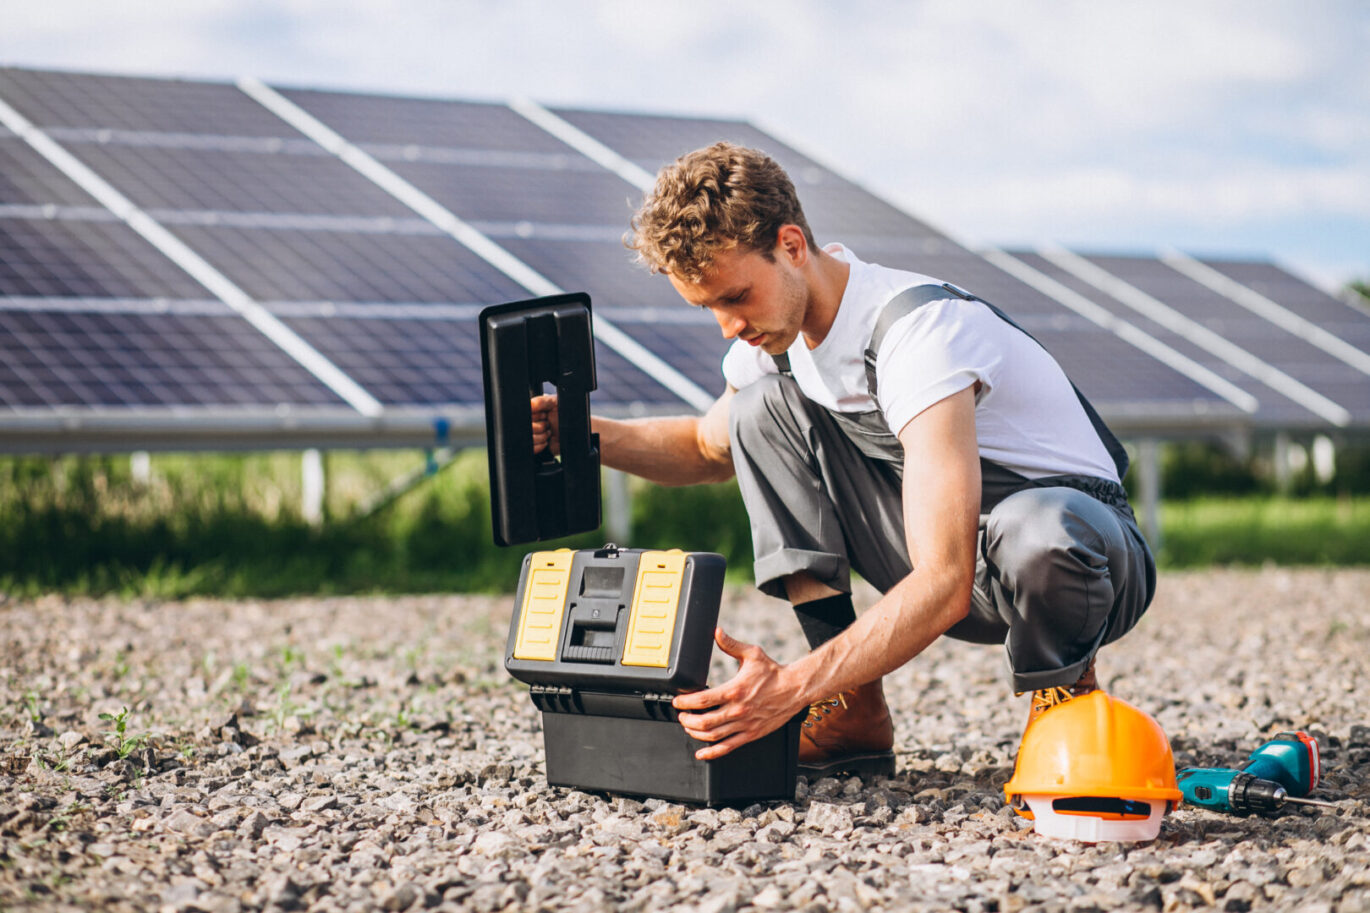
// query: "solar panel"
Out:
[692,347]
[430,360]
[322,265]
[395,123]
[27,178]
[55,99]
[836,208]
[604,269]
[582,196]
[93,358]
[1108,369]
[80,258]
[1333,315]
[94,316]
[1275,407]
[1296,357]
[222,180]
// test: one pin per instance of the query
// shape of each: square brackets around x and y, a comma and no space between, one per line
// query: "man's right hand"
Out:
[546,425]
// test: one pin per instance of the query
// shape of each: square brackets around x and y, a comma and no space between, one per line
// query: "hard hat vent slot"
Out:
[1102,807]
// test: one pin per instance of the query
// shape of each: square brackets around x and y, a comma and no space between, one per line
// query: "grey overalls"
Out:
[1061,567]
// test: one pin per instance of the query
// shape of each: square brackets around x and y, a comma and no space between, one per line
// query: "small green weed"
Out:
[286,707]
[31,702]
[291,657]
[122,743]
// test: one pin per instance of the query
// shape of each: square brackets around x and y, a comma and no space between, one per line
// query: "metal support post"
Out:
[311,486]
[140,467]
[1149,485]
[1281,459]
[618,520]
[1324,454]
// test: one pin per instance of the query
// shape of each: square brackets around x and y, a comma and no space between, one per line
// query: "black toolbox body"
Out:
[604,685]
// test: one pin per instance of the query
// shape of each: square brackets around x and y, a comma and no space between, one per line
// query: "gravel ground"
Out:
[364,753]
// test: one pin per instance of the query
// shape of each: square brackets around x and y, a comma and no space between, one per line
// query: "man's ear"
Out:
[791,244]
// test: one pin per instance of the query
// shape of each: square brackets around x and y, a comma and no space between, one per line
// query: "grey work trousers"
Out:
[1058,572]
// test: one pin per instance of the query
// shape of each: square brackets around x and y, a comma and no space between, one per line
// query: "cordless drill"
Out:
[1285,769]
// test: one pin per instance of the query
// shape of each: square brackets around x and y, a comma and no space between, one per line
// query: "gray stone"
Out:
[70,740]
[402,898]
[397,802]
[729,837]
[828,818]
[253,825]
[495,843]
[319,803]
[184,822]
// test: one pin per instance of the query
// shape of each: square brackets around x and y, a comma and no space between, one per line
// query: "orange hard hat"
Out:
[1095,756]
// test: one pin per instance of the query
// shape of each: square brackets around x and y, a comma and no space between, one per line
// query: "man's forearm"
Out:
[669,451]
[914,613]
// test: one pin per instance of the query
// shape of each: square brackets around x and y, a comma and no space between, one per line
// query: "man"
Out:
[959,471]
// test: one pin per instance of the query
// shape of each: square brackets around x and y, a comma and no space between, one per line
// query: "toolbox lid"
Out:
[526,346]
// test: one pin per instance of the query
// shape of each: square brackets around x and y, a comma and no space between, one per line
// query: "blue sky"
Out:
[1232,127]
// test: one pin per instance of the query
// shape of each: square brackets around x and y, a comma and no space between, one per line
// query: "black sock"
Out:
[823,619]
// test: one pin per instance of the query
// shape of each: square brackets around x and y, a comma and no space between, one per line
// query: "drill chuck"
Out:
[1249,793]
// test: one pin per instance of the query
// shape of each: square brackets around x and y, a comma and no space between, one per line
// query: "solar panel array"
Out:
[283,295]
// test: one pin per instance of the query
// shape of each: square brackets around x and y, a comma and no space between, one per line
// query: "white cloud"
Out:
[1015,204]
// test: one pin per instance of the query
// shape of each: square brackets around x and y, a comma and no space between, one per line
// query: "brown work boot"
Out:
[848,733]
[1043,699]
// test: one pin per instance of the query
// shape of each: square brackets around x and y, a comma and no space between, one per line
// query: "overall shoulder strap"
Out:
[901,305]
[915,297]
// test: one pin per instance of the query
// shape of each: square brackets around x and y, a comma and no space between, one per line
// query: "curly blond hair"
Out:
[711,200]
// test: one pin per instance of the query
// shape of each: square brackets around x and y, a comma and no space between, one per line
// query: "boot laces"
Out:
[1046,698]
[818,708]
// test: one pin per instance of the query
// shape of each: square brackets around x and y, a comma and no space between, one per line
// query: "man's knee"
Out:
[1041,540]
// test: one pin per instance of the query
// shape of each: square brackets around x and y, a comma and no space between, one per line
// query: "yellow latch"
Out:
[544,603]
[651,622]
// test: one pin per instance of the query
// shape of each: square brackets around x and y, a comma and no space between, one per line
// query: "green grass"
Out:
[1258,530]
[230,525]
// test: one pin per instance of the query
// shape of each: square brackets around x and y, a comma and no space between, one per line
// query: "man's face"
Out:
[761,301]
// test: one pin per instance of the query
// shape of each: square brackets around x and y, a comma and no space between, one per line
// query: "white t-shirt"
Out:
[1027,416]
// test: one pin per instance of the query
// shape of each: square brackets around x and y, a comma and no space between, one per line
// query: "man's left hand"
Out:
[754,702]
